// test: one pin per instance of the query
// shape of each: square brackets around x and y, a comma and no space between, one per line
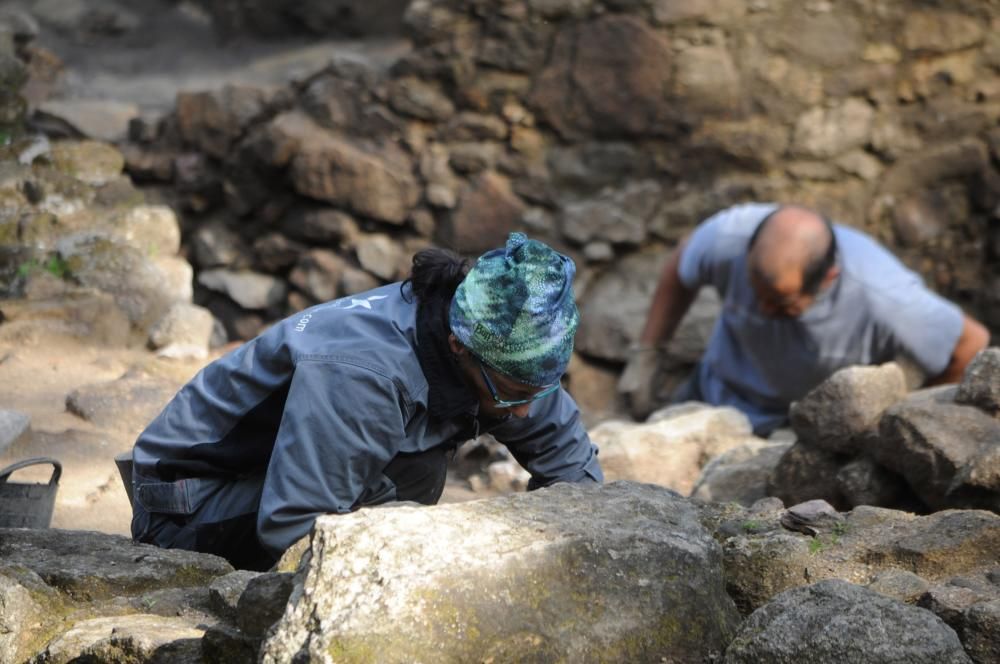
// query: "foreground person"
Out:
[361,401]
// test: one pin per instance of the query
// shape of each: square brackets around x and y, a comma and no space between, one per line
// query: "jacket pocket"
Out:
[180,497]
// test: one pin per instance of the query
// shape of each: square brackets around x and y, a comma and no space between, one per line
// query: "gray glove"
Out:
[639,383]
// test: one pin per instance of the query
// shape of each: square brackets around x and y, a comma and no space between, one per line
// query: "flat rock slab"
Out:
[128,403]
[619,573]
[133,638]
[87,566]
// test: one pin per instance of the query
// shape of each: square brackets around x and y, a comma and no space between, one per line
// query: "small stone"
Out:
[15,428]
[812,517]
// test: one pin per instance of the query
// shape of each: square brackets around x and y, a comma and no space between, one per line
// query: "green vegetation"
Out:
[817,543]
[752,526]
[55,266]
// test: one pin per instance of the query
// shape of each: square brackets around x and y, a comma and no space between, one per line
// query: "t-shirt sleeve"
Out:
[717,243]
[698,260]
[917,322]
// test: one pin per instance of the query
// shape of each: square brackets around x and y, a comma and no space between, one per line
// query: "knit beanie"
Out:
[515,311]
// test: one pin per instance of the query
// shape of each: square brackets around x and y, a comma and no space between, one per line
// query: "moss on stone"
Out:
[351,651]
[8,231]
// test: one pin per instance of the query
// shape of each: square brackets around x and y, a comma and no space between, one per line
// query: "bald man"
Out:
[802,298]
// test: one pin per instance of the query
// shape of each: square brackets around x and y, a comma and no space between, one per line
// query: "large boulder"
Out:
[672,447]
[740,475]
[485,213]
[213,120]
[835,622]
[19,612]
[136,638]
[521,577]
[184,326]
[606,77]
[91,162]
[842,412]
[107,263]
[980,386]
[615,216]
[368,178]
[944,450]
[251,290]
[765,560]
[129,403]
[861,481]
[807,473]
[65,592]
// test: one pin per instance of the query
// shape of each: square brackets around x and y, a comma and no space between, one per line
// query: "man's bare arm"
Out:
[671,300]
[973,339]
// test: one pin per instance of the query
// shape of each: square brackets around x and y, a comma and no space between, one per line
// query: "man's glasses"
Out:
[503,403]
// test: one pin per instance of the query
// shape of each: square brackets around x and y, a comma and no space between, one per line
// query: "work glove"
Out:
[639,384]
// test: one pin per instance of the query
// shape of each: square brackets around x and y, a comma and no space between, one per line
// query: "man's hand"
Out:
[639,383]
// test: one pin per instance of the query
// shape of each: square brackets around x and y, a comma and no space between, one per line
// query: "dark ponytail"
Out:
[435,275]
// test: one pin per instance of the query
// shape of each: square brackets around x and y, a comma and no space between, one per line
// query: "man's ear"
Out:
[456,346]
[831,275]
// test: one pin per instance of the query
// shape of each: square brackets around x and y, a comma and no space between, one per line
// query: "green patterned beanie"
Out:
[516,312]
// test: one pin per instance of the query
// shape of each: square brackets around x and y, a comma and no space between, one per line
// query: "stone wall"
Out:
[608,129]
[278,18]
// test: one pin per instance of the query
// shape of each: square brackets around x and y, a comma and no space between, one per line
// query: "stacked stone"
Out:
[608,129]
[17,30]
[862,440]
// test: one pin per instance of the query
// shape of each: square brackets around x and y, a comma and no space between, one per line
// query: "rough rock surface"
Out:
[838,622]
[130,402]
[944,450]
[765,560]
[980,386]
[84,596]
[403,582]
[845,408]
[740,474]
[671,448]
[15,427]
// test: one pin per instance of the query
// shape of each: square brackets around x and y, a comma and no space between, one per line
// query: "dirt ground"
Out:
[36,376]
[143,52]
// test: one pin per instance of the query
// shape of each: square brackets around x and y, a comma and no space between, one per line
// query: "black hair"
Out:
[435,275]
[819,262]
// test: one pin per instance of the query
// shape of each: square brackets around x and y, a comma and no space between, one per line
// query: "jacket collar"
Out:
[448,395]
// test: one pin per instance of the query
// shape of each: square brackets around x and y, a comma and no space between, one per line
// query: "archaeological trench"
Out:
[161,204]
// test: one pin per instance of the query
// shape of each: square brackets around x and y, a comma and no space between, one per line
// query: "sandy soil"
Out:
[35,379]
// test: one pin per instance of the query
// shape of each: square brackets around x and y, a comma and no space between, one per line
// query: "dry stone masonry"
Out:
[606,128]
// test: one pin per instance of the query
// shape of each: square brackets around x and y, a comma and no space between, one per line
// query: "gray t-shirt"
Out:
[875,311]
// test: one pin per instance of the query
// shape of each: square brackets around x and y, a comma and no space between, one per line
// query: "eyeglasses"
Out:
[503,403]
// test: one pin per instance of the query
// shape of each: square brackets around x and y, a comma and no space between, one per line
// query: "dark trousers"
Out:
[220,516]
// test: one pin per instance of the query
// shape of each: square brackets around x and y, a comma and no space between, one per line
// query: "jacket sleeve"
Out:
[342,424]
[551,443]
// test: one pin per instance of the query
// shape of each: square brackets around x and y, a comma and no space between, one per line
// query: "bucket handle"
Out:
[56,468]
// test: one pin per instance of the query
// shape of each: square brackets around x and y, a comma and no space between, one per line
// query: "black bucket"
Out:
[28,505]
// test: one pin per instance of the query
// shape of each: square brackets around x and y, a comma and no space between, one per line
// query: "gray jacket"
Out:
[322,401]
